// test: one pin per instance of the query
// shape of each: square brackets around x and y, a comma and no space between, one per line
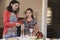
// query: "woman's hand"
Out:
[17,24]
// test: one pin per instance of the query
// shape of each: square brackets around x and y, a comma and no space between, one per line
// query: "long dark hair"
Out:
[31,10]
[9,8]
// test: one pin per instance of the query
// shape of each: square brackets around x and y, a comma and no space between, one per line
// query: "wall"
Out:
[2,4]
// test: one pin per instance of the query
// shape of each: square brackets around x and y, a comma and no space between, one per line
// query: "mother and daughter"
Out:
[10,20]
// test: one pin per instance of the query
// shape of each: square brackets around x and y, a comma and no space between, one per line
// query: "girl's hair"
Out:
[9,8]
[31,10]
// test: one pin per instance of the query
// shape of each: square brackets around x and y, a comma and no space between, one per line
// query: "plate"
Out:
[12,39]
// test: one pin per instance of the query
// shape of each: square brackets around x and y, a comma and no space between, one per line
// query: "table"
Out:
[21,38]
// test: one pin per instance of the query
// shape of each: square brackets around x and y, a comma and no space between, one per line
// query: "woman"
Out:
[10,20]
[30,22]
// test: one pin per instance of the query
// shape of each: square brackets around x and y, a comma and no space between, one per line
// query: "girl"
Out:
[30,22]
[10,20]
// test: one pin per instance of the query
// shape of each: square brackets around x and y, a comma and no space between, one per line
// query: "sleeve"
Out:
[5,20]
[35,22]
[20,21]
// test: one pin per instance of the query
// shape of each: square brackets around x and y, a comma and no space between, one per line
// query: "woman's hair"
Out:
[9,8]
[31,10]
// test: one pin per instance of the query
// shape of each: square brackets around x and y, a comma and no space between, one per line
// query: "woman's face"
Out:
[15,6]
[28,13]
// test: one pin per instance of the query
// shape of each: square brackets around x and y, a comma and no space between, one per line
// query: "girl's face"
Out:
[15,6]
[28,13]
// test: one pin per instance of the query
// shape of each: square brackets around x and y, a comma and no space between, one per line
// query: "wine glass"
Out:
[22,29]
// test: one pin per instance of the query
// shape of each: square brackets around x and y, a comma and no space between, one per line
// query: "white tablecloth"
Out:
[21,38]
[29,39]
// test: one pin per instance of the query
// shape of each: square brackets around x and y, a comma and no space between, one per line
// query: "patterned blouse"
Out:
[12,31]
[29,25]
